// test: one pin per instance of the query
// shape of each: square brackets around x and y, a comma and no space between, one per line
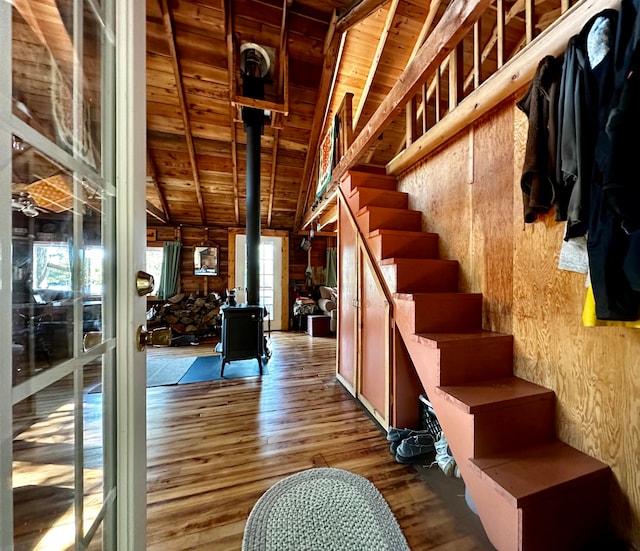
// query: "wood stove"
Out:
[242,334]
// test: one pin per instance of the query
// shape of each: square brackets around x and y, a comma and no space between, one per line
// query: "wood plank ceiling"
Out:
[321,50]
[196,141]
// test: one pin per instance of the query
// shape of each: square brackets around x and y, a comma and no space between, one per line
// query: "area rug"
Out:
[323,509]
[166,371]
[207,368]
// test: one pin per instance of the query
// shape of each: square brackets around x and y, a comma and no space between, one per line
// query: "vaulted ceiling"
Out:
[196,140]
[320,51]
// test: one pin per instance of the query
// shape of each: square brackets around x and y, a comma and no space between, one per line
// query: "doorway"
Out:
[271,276]
[61,481]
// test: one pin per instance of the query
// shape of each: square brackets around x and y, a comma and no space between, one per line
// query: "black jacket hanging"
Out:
[538,173]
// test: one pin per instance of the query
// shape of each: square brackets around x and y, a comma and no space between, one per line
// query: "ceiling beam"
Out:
[153,173]
[272,179]
[375,62]
[227,6]
[277,122]
[283,65]
[156,213]
[169,30]
[356,13]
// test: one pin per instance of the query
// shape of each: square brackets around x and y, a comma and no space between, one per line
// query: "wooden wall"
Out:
[191,237]
[194,236]
[469,192]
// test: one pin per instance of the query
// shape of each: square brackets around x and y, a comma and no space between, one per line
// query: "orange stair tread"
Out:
[493,394]
[413,297]
[401,233]
[443,340]
[376,191]
[417,261]
[539,471]
[372,208]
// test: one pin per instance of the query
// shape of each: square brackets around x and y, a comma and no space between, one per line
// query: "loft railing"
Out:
[479,70]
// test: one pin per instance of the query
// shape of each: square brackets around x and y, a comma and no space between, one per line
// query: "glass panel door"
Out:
[58,453]
[270,291]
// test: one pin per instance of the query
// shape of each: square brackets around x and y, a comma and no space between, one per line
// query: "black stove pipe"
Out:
[253,87]
[253,124]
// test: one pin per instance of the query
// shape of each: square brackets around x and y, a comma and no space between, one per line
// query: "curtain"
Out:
[170,269]
[332,267]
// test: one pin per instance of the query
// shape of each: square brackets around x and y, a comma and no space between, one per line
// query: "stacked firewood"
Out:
[188,314]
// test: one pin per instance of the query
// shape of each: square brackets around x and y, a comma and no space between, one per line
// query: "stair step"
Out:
[353,179]
[445,312]
[509,413]
[470,356]
[373,218]
[494,394]
[425,275]
[364,196]
[538,472]
[385,243]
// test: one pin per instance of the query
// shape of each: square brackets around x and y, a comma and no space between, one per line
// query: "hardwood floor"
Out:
[214,448]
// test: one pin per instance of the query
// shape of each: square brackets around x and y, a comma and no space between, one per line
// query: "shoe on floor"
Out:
[395,436]
[398,435]
[444,459]
[415,448]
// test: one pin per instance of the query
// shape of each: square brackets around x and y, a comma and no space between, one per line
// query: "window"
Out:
[92,276]
[154,266]
[51,266]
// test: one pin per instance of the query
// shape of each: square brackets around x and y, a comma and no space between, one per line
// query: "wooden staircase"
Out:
[531,490]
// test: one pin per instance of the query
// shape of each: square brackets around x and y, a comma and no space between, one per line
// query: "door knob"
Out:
[155,337]
[144,283]
[91,339]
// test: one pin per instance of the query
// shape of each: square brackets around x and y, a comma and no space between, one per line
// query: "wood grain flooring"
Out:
[214,448]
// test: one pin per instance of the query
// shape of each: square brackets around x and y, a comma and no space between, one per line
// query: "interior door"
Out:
[348,333]
[373,380]
[72,389]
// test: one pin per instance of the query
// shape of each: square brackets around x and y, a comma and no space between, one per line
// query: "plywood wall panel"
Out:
[492,200]
[440,188]
[594,371]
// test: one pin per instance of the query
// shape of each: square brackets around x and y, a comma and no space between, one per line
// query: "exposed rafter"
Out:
[153,173]
[227,6]
[357,12]
[283,75]
[156,213]
[426,28]
[331,62]
[272,178]
[168,25]
[455,23]
[373,68]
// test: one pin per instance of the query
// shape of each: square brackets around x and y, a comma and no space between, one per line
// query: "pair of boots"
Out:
[411,446]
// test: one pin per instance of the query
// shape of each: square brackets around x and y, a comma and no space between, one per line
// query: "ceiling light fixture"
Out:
[24,203]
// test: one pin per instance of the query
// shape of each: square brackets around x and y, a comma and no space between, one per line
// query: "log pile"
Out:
[188,314]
